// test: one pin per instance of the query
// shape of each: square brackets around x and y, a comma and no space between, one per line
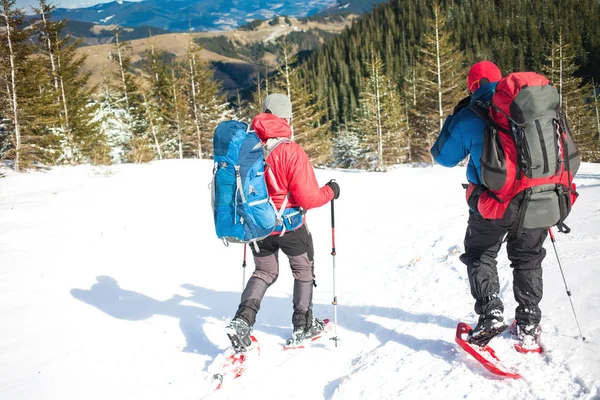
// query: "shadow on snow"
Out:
[107,296]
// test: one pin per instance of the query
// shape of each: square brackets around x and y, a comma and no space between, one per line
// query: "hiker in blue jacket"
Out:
[463,135]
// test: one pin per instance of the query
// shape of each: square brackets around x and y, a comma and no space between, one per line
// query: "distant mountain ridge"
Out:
[204,15]
[93,34]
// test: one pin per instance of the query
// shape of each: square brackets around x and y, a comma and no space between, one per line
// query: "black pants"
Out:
[298,247]
[525,252]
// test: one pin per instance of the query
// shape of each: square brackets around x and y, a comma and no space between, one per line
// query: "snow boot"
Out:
[489,326]
[528,337]
[302,333]
[239,331]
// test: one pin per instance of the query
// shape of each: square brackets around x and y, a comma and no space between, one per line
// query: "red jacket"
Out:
[290,170]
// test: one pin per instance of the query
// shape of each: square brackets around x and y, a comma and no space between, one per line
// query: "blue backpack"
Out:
[242,208]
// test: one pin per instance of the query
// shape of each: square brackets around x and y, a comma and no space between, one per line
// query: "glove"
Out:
[462,104]
[335,187]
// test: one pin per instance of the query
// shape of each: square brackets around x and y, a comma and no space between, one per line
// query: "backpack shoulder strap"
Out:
[482,110]
[268,148]
[271,144]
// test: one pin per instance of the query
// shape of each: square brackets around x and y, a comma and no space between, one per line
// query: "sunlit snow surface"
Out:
[113,285]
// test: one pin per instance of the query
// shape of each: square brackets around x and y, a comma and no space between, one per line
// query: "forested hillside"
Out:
[385,65]
[515,34]
[374,96]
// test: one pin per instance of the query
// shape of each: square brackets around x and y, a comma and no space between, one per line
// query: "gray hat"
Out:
[279,105]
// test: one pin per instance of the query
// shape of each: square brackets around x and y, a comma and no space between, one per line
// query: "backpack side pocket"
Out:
[493,163]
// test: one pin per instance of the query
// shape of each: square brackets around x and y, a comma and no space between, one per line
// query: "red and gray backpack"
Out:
[528,154]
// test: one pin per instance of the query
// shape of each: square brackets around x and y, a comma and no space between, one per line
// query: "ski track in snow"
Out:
[113,285]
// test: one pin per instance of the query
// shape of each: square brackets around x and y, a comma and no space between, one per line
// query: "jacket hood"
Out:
[484,93]
[269,126]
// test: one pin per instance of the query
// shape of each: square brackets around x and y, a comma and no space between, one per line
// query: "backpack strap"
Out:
[268,148]
[239,187]
[566,205]
[481,109]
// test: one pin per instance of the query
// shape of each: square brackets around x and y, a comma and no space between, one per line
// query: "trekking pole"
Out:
[244,269]
[335,337]
[565,281]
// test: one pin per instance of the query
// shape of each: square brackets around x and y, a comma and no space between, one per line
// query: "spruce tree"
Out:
[113,121]
[575,95]
[14,55]
[79,136]
[597,111]
[349,151]
[208,106]
[125,86]
[396,139]
[370,112]
[308,124]
[28,103]
[156,96]
[177,108]
[441,77]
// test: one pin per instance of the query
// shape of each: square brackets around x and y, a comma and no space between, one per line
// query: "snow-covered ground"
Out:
[113,285]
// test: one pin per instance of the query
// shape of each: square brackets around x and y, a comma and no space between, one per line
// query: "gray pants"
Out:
[298,247]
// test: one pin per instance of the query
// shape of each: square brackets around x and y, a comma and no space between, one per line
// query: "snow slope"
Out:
[114,286]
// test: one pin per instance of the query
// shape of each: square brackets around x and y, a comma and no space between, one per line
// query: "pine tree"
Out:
[13,49]
[574,95]
[29,104]
[371,101]
[382,118]
[177,110]
[193,76]
[113,121]
[152,118]
[396,139]
[348,148]
[80,138]
[439,83]
[124,85]
[213,105]
[308,125]
[155,65]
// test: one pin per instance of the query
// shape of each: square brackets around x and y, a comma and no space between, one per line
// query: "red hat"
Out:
[481,73]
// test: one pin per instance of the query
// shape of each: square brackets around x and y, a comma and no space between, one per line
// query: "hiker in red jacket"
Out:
[292,184]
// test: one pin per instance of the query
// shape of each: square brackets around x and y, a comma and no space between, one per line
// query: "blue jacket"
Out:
[462,134]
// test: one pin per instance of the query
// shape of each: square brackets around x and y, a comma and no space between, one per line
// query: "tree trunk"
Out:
[439,73]
[67,126]
[122,71]
[597,112]
[13,91]
[408,135]
[152,127]
[258,89]
[375,72]
[125,92]
[266,81]
[287,71]
[154,66]
[192,62]
[560,57]
[195,108]
[49,46]
[177,121]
